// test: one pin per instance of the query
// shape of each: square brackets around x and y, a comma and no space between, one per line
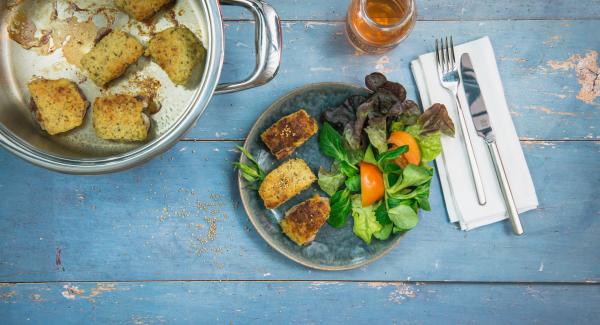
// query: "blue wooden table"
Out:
[168,242]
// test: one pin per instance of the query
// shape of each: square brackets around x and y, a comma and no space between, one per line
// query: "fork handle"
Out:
[472,161]
[511,207]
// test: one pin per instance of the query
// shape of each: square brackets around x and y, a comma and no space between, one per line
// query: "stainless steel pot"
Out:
[79,153]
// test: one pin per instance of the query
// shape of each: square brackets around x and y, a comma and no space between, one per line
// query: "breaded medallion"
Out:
[121,117]
[285,182]
[289,133]
[141,9]
[57,105]
[177,51]
[302,222]
[111,56]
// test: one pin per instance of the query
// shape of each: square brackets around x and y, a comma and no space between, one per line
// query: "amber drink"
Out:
[377,26]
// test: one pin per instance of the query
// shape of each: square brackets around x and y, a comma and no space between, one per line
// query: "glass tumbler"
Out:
[377,26]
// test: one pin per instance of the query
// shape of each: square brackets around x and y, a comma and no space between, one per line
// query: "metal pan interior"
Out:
[73,30]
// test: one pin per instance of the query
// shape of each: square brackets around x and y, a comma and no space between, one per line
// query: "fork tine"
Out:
[437,56]
[445,54]
[452,52]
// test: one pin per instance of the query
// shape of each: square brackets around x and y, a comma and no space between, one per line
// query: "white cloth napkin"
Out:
[453,165]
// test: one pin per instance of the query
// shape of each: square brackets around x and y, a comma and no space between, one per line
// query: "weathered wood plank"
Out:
[541,95]
[179,217]
[439,10]
[297,303]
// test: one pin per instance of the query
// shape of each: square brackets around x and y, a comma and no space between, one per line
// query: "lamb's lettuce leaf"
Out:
[411,176]
[331,181]
[340,208]
[403,217]
[385,232]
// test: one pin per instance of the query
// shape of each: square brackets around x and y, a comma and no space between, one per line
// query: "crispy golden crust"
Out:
[58,105]
[141,9]
[177,51]
[284,182]
[121,117]
[302,222]
[111,56]
[289,133]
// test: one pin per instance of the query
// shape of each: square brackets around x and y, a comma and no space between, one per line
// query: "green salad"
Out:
[381,146]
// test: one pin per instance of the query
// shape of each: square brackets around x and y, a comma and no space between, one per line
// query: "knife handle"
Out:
[513,214]
[471,154]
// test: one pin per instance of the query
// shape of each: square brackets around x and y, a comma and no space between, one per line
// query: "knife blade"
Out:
[477,107]
[483,126]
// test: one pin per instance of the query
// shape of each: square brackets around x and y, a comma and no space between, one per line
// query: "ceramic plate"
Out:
[333,249]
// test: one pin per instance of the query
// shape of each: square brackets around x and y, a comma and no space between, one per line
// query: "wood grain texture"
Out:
[439,10]
[297,303]
[179,217]
[541,96]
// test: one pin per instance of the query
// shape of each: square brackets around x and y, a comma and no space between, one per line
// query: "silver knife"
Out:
[484,129]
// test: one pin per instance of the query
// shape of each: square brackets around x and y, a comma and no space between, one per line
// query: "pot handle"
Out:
[268,45]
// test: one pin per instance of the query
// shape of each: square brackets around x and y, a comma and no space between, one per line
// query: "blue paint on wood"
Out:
[297,303]
[543,100]
[439,10]
[153,223]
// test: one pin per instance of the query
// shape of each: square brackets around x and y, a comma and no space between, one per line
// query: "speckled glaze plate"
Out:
[333,249]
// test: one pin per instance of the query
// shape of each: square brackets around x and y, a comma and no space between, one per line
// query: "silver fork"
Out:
[449,78]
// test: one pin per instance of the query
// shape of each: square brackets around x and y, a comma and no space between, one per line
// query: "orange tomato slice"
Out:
[413,155]
[371,184]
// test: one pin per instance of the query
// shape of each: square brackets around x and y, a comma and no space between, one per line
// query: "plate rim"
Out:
[252,217]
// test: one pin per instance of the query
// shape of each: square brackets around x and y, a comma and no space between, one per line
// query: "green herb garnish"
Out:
[251,172]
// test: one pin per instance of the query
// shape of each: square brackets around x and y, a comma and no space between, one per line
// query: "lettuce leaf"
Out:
[365,222]
[403,217]
[340,208]
[411,176]
[353,184]
[430,144]
[353,146]
[330,143]
[376,131]
[385,232]
[331,181]
[370,156]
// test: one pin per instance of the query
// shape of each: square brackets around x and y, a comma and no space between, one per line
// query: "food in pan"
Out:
[141,9]
[289,133]
[302,222]
[285,182]
[177,51]
[121,117]
[111,56]
[57,105]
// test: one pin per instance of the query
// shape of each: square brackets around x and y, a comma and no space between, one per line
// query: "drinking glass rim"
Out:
[384,27]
